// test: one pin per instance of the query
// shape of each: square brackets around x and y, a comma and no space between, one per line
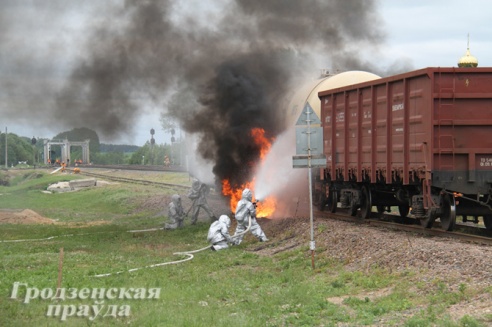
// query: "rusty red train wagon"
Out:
[420,140]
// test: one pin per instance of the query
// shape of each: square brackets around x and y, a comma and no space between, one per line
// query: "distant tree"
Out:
[18,149]
[138,157]
[79,135]
[150,155]
[125,148]
[109,158]
[113,154]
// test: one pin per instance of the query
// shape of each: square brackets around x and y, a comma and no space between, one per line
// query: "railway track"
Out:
[114,178]
[137,167]
[464,233]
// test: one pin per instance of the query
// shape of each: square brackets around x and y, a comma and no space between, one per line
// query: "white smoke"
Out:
[196,165]
[276,177]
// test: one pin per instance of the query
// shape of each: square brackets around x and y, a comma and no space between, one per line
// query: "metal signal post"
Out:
[309,157]
[312,244]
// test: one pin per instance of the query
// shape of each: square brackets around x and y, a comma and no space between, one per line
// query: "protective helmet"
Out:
[225,219]
[247,194]
[196,184]
[176,199]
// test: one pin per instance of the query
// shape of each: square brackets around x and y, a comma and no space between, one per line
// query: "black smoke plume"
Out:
[219,74]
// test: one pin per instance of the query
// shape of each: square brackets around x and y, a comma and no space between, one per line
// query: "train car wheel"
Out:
[487,221]
[366,202]
[332,200]
[429,219]
[448,212]
[403,211]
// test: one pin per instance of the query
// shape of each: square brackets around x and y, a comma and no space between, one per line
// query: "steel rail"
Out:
[455,235]
[133,180]
[136,167]
[485,238]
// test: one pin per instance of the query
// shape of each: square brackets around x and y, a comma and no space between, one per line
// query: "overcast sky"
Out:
[433,33]
[39,43]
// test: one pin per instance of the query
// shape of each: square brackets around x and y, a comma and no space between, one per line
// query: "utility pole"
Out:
[6,161]
[152,142]
[173,139]
[33,143]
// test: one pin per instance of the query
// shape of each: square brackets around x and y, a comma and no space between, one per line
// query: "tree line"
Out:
[22,149]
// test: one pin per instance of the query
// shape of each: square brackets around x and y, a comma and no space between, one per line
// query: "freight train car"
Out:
[420,141]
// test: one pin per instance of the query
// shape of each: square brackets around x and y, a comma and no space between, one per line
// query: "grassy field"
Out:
[235,287]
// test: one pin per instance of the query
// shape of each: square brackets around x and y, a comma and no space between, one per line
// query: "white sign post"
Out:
[307,156]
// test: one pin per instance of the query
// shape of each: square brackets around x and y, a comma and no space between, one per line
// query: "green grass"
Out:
[234,287]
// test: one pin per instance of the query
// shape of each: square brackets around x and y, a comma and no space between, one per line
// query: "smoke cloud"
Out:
[219,68]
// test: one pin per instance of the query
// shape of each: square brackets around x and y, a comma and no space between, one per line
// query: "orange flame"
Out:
[258,135]
[267,206]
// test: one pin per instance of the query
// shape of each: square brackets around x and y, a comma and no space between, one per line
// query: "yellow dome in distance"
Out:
[468,60]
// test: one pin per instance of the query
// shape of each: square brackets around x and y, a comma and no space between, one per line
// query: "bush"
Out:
[4,179]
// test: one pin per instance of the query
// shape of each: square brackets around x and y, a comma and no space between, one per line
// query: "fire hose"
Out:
[189,254]
[186,253]
[191,207]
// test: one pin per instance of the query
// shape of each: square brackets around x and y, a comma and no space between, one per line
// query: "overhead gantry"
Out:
[65,150]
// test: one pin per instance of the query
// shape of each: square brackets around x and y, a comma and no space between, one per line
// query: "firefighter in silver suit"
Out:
[198,194]
[246,210]
[218,233]
[175,213]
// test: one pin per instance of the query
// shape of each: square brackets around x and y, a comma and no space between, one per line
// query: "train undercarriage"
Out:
[415,203]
